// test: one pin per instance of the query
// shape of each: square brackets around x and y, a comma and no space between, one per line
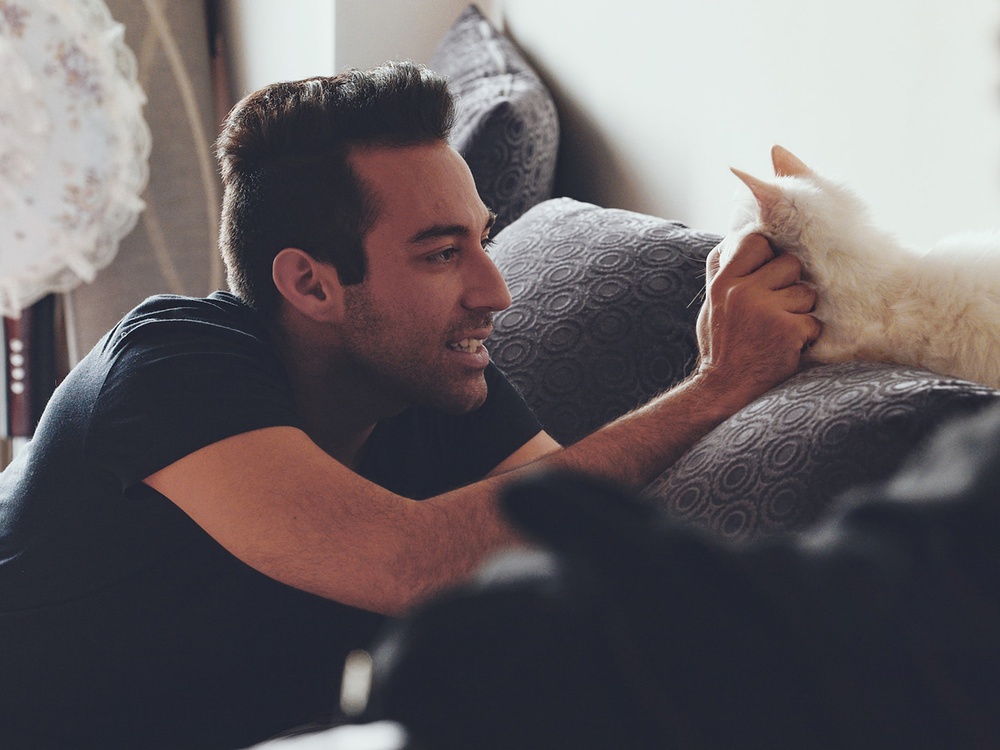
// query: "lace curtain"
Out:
[114,103]
[173,247]
[73,146]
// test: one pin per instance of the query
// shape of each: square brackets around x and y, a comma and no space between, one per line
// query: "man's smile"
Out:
[466,345]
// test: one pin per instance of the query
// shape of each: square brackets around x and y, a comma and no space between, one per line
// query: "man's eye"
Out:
[488,242]
[444,256]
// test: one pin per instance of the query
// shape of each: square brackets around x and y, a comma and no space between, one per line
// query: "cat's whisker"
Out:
[699,298]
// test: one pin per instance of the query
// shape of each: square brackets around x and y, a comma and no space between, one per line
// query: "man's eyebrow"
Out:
[437,231]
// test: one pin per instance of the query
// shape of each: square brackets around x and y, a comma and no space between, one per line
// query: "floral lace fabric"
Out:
[74,146]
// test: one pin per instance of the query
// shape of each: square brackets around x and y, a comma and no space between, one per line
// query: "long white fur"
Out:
[937,309]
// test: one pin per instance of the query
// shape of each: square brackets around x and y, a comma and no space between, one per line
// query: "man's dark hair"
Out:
[283,155]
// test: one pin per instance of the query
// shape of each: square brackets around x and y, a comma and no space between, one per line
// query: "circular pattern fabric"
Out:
[506,124]
[604,310]
[777,464]
[73,146]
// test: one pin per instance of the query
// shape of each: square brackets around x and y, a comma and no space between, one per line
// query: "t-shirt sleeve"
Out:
[178,382]
[422,453]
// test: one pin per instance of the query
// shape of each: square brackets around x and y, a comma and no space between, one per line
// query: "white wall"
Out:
[274,40]
[657,99]
[277,40]
[897,97]
[371,32]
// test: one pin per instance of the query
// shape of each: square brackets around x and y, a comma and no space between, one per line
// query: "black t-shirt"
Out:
[122,623]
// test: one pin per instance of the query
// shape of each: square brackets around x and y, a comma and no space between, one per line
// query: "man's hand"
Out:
[755,321]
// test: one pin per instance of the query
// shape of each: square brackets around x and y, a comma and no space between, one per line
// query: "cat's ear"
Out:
[787,164]
[767,195]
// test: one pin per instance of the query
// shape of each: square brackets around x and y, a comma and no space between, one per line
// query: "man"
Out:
[218,503]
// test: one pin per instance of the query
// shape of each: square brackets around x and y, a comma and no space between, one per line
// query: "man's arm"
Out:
[540,445]
[283,506]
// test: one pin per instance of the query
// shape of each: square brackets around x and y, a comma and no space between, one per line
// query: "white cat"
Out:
[878,300]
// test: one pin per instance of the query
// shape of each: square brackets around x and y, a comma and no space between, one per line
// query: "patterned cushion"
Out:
[506,125]
[778,463]
[605,304]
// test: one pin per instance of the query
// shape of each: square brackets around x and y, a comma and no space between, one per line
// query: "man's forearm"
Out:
[636,448]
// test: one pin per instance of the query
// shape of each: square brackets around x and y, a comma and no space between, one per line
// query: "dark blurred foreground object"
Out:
[879,627]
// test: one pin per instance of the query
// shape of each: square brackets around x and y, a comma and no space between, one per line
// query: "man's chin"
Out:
[464,407]
[457,403]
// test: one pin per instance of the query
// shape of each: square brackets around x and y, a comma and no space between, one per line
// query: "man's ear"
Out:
[310,286]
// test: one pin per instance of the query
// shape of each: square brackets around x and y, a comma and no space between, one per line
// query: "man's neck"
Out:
[329,430]
[337,410]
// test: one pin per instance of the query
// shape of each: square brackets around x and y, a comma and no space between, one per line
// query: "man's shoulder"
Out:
[164,315]
[218,307]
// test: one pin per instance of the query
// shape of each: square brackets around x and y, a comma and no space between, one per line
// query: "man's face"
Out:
[415,326]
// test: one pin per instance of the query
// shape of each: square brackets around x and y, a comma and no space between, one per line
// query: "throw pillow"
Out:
[506,124]
[604,311]
[777,464]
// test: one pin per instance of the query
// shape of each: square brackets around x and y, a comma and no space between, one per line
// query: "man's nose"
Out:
[486,288]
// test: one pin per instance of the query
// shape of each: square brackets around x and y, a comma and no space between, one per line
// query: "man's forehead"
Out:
[375,157]
[426,185]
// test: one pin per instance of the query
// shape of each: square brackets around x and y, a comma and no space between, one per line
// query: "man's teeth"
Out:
[467,345]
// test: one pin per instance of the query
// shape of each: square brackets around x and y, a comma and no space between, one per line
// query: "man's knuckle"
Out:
[736,293]
[792,261]
[718,290]
[758,244]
